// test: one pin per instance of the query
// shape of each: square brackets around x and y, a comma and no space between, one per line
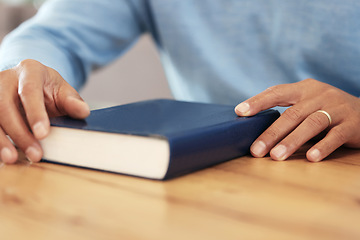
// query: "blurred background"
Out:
[138,75]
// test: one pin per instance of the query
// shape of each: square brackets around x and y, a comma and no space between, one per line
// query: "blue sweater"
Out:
[212,50]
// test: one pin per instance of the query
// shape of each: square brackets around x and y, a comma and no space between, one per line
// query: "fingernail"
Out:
[279,152]
[243,108]
[40,130]
[314,155]
[258,148]
[84,106]
[33,154]
[7,156]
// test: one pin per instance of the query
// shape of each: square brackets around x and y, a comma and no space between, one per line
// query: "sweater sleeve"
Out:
[74,36]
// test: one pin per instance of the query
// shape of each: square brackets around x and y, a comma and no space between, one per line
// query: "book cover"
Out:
[157,139]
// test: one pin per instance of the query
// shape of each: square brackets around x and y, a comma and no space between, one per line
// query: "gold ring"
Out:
[327,114]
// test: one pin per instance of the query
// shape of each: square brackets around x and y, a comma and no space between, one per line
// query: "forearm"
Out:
[73,37]
[18,48]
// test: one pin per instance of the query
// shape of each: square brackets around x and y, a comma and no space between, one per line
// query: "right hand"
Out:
[30,93]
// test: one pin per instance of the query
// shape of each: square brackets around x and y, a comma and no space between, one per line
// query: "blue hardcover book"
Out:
[156,139]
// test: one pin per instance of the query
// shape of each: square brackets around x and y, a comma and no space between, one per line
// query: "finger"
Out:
[16,128]
[280,95]
[286,123]
[335,138]
[31,92]
[8,153]
[69,102]
[14,125]
[309,128]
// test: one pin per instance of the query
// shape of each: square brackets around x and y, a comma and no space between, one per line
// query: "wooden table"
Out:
[246,198]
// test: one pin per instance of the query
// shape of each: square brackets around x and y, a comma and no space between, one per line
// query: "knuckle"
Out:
[293,114]
[312,82]
[332,93]
[309,80]
[271,133]
[27,63]
[52,72]
[316,120]
[320,86]
[275,91]
[339,134]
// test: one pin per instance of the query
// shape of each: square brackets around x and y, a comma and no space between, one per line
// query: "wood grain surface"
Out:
[245,198]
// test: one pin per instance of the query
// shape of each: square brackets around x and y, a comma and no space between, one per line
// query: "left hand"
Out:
[302,121]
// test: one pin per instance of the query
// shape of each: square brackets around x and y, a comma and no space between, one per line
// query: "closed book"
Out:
[156,139]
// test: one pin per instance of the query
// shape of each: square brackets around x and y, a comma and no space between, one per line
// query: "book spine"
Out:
[206,147]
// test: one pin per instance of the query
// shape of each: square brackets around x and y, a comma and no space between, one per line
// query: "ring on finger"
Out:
[327,115]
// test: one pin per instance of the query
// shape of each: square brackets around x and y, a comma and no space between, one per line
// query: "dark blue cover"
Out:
[199,134]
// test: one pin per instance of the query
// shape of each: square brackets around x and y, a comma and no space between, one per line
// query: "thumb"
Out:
[70,103]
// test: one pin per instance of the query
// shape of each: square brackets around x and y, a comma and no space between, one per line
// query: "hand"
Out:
[301,122]
[30,93]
